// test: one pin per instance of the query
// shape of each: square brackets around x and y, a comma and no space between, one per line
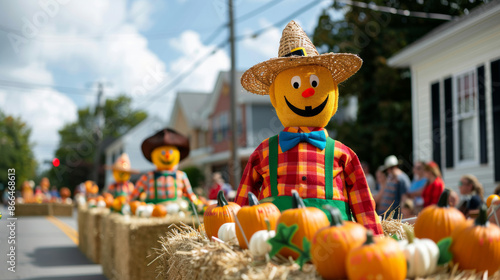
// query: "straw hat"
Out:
[122,164]
[166,137]
[296,49]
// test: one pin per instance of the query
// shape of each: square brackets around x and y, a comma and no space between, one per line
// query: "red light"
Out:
[55,162]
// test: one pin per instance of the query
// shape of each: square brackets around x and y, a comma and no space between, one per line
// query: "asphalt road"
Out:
[43,251]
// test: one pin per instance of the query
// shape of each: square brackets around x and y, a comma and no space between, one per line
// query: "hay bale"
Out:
[134,243]
[61,209]
[94,233]
[108,235]
[82,228]
[33,209]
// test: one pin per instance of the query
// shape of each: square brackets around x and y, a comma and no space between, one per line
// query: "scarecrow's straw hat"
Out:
[122,164]
[296,49]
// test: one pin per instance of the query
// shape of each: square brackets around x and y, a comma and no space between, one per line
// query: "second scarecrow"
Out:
[121,173]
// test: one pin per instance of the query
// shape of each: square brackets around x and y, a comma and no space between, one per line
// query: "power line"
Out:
[42,87]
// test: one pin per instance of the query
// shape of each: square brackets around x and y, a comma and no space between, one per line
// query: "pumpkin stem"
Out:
[443,199]
[369,237]
[221,199]
[482,218]
[252,199]
[297,202]
[268,224]
[409,233]
[336,216]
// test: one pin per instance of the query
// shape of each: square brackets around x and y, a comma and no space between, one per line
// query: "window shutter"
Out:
[448,123]
[483,148]
[495,96]
[436,124]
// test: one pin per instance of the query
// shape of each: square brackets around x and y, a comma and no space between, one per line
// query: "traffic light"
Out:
[55,162]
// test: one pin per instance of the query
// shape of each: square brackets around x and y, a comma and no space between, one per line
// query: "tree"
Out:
[77,146]
[16,151]
[383,124]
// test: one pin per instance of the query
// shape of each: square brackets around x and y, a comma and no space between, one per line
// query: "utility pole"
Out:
[235,168]
[98,131]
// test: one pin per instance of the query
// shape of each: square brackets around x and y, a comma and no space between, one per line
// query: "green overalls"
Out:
[156,200]
[285,202]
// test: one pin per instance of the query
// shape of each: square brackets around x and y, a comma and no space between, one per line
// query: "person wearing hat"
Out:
[303,88]
[397,186]
[165,149]
[121,172]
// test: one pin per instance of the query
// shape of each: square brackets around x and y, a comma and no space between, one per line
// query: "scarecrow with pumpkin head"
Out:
[121,173]
[303,88]
[165,149]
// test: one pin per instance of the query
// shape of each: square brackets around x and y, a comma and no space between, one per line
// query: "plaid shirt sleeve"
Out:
[251,181]
[360,198]
[188,191]
[140,186]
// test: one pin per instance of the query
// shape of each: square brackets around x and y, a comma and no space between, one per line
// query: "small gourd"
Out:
[258,244]
[218,214]
[421,255]
[227,232]
[173,208]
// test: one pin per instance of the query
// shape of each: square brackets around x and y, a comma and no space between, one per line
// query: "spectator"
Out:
[408,209]
[435,187]
[453,199]
[419,182]
[381,184]
[398,184]
[218,184]
[369,178]
[472,194]
[497,190]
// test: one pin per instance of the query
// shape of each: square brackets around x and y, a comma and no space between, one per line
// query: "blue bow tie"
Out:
[289,140]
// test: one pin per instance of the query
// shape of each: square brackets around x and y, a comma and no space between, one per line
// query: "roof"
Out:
[444,31]
[192,104]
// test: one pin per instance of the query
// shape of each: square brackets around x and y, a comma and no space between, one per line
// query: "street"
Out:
[45,248]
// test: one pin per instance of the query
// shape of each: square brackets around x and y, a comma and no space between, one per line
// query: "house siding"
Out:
[472,47]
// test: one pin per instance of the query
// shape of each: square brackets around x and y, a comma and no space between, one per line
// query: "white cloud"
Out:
[266,45]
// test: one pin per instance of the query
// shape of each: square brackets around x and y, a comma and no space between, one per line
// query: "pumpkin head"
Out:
[436,222]
[218,214]
[252,218]
[377,258]
[308,219]
[331,245]
[159,211]
[477,246]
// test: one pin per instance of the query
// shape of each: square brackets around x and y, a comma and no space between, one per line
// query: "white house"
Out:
[455,72]
[130,143]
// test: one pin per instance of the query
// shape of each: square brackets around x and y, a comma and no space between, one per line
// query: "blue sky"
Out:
[53,52]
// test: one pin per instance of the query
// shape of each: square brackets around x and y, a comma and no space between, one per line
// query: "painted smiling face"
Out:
[121,176]
[166,157]
[304,96]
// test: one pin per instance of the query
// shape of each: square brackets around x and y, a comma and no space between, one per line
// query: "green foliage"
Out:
[283,239]
[383,125]
[16,150]
[78,140]
[195,176]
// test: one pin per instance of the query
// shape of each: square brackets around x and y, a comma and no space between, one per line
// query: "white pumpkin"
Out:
[172,208]
[422,256]
[258,243]
[145,210]
[101,204]
[139,210]
[227,232]
[184,205]
[126,210]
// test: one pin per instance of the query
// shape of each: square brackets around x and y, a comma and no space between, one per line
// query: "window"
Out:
[465,103]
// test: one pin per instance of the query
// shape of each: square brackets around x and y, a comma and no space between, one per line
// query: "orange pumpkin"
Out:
[159,211]
[119,202]
[253,218]
[308,219]
[492,198]
[377,258]
[330,245]
[436,222]
[134,204]
[477,246]
[108,198]
[218,214]
[65,193]
[99,198]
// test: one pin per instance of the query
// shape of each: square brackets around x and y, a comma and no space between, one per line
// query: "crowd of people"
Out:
[394,193]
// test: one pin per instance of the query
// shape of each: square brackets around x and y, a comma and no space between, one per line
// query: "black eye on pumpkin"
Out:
[314,80]
[295,82]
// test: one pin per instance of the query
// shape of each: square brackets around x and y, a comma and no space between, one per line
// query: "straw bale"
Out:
[108,235]
[61,209]
[135,239]
[82,228]
[32,209]
[93,231]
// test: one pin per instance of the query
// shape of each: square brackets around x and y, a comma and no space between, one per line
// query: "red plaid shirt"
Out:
[120,188]
[432,192]
[302,168]
[165,186]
